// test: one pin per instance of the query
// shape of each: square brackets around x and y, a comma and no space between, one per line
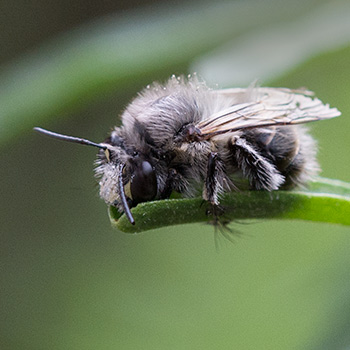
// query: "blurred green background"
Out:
[68,280]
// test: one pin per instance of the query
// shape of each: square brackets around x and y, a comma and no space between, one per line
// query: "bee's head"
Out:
[125,181]
[127,176]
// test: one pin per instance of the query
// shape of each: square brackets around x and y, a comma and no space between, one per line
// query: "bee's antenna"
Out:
[69,138]
[123,197]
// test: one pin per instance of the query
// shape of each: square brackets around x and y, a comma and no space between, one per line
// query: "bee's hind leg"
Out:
[260,172]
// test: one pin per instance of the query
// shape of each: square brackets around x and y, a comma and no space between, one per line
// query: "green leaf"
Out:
[325,200]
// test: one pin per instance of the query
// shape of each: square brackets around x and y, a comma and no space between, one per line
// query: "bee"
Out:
[183,136]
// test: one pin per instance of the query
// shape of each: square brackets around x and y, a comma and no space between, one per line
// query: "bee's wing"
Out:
[270,107]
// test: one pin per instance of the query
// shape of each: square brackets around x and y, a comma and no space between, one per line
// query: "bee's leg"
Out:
[212,184]
[169,184]
[260,172]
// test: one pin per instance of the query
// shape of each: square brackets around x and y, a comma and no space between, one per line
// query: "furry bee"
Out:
[183,135]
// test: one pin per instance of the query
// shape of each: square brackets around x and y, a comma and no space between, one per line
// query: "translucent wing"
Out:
[268,107]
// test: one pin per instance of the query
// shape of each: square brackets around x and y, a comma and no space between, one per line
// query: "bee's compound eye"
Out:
[143,184]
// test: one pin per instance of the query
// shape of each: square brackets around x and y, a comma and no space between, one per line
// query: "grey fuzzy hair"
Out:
[159,112]
[165,108]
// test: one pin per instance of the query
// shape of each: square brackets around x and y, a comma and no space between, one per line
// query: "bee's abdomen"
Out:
[291,150]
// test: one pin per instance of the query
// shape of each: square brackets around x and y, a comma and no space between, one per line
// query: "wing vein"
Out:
[271,107]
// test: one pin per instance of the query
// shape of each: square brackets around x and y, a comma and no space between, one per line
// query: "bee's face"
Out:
[127,179]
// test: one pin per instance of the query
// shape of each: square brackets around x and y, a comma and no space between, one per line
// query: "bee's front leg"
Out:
[170,184]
